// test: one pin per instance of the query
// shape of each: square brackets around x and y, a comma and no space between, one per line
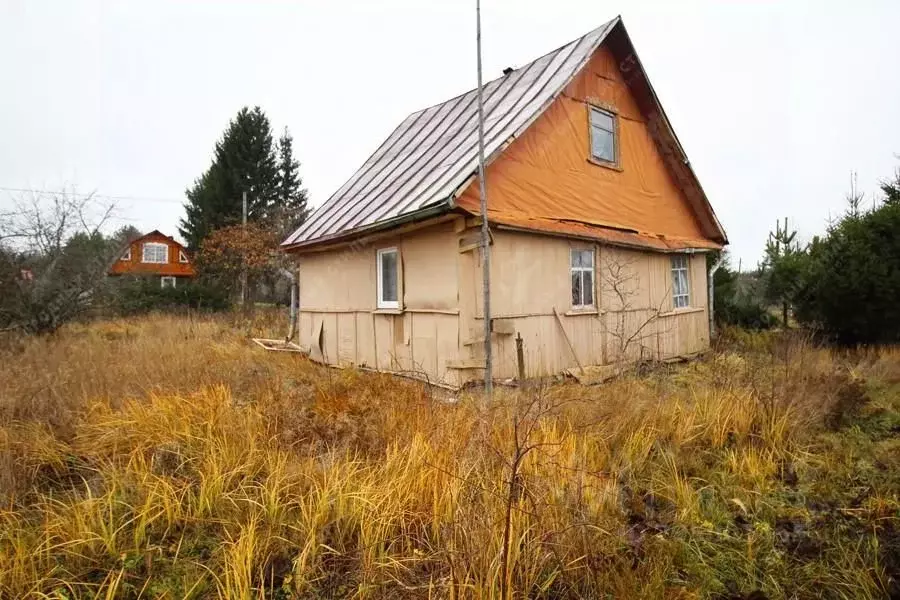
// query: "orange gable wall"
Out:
[136,267]
[545,174]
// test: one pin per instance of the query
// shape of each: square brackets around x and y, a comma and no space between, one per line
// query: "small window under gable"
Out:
[604,142]
[126,255]
[182,257]
[154,252]
[388,277]
[681,286]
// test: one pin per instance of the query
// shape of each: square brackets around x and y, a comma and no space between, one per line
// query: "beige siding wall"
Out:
[634,316]
[338,296]
[439,328]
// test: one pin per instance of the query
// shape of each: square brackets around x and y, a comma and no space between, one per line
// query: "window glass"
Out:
[387,278]
[155,253]
[587,279]
[603,136]
[582,274]
[681,289]
[601,119]
[576,288]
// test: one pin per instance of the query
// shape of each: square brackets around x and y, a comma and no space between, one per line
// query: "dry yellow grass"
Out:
[167,457]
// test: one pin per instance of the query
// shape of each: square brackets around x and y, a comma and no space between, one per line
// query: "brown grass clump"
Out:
[167,457]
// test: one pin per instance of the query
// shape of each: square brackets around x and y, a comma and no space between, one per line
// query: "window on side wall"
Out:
[155,253]
[604,142]
[681,288]
[581,267]
[127,254]
[167,282]
[388,275]
[182,257]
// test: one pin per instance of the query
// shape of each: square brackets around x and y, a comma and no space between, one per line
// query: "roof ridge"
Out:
[525,65]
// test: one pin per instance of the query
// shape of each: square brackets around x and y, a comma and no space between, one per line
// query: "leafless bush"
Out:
[53,259]
[630,325]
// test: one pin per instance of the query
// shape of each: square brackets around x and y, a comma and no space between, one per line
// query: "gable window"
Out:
[388,275]
[182,257]
[155,253]
[681,288]
[582,271]
[166,282]
[604,145]
[127,255]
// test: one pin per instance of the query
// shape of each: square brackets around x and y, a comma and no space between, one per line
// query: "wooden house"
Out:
[155,255]
[599,230]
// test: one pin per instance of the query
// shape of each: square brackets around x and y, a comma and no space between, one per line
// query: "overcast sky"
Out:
[774,102]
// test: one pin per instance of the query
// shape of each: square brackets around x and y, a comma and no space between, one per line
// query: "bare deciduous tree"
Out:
[632,325]
[53,259]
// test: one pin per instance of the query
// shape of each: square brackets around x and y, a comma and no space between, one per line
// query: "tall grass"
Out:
[167,457]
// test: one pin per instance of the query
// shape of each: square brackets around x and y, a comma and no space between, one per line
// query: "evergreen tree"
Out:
[891,189]
[244,161]
[783,268]
[854,279]
[125,235]
[291,195]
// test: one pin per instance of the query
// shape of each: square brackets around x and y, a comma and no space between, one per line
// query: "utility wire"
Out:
[85,195]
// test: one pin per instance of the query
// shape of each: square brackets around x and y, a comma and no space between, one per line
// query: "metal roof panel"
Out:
[434,151]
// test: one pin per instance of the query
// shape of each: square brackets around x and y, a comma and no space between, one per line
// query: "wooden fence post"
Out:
[520,358]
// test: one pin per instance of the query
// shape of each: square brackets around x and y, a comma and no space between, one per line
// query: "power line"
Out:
[84,195]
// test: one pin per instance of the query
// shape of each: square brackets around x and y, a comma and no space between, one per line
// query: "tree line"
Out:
[55,254]
[843,284]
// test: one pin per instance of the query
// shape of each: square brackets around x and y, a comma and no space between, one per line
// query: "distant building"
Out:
[155,255]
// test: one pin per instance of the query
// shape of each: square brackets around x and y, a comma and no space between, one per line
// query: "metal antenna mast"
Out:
[485,231]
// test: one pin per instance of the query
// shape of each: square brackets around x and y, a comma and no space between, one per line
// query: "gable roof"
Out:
[155,233]
[133,266]
[429,160]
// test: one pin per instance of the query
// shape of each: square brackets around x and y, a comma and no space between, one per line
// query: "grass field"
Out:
[169,457]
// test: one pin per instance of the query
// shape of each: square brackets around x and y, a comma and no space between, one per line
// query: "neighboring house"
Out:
[155,255]
[599,230]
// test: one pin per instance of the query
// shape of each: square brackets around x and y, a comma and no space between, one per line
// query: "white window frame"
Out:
[165,278]
[580,270]
[681,264]
[615,135]
[149,245]
[382,303]
[127,254]
[182,257]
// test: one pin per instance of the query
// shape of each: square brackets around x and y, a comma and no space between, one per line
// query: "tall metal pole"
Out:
[485,231]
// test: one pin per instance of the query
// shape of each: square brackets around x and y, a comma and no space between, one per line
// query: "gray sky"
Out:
[775,103]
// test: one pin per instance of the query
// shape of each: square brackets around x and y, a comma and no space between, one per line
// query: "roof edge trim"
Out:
[420,215]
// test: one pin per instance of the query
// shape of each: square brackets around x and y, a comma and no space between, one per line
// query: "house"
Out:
[155,255]
[599,230]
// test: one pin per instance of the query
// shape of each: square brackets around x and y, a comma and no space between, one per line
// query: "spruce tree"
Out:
[291,195]
[783,268]
[244,161]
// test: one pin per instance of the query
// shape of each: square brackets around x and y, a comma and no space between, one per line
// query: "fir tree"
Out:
[783,268]
[291,195]
[244,161]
